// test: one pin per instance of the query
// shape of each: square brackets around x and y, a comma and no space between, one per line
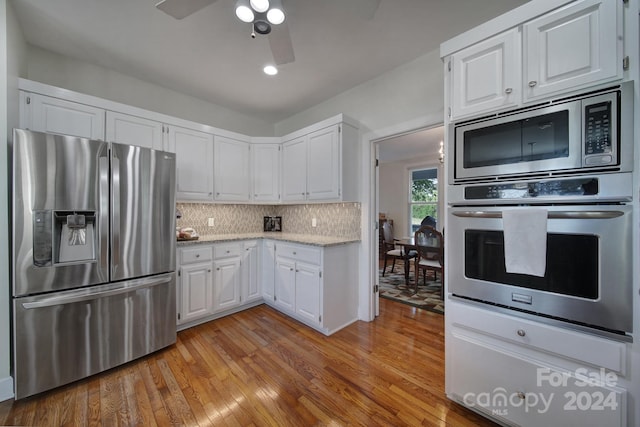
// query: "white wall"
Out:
[410,91]
[11,63]
[61,71]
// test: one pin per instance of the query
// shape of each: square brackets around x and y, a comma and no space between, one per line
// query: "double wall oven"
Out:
[569,161]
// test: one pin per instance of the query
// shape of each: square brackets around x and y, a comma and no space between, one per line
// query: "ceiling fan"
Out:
[263,16]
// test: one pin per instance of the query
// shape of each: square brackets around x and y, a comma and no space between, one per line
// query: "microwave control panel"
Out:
[598,147]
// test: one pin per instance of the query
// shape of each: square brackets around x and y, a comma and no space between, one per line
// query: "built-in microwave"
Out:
[589,133]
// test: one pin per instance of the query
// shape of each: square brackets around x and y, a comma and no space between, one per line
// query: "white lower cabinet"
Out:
[316,285]
[217,279]
[524,373]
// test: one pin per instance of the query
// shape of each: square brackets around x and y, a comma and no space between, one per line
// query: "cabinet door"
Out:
[285,284]
[231,170]
[131,130]
[53,115]
[251,290]
[268,270]
[307,292]
[194,160]
[265,160]
[574,46]
[486,76]
[514,388]
[226,284]
[323,165]
[196,291]
[294,169]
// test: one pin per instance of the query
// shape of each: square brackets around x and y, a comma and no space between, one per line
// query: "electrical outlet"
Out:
[314,223]
[211,222]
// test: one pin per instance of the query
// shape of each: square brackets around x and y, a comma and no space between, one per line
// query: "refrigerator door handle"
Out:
[83,295]
[115,210]
[103,170]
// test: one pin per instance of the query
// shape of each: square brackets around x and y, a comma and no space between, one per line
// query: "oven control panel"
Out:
[534,189]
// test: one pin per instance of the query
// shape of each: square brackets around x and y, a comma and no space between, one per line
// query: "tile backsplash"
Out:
[332,219]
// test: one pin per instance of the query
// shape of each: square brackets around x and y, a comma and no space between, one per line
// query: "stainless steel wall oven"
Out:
[582,188]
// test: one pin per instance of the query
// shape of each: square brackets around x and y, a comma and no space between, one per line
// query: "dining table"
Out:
[408,244]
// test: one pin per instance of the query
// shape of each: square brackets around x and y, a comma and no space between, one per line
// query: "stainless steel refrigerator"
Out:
[93,248]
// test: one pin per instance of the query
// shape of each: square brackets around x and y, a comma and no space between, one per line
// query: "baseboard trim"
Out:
[6,389]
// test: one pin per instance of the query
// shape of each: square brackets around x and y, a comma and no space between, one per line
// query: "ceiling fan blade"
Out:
[369,8]
[182,8]
[281,46]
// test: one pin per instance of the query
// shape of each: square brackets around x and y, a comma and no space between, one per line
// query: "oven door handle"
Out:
[550,215]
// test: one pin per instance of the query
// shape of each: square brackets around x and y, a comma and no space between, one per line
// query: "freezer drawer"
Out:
[66,336]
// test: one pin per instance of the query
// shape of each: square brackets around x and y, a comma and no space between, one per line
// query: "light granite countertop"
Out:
[307,239]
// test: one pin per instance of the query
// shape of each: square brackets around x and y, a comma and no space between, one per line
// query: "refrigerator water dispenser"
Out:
[63,237]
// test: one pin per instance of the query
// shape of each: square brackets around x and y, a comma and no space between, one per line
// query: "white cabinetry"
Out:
[227,276]
[195,283]
[231,169]
[323,298]
[268,270]
[320,163]
[251,277]
[265,166]
[532,374]
[132,130]
[53,115]
[573,46]
[486,76]
[194,163]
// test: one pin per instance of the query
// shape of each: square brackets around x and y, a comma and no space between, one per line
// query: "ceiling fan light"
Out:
[244,12]
[270,70]
[275,16]
[260,5]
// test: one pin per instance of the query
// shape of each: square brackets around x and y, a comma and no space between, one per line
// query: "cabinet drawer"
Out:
[226,250]
[191,255]
[308,254]
[596,351]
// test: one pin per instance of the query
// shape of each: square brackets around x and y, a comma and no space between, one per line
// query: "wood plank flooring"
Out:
[260,368]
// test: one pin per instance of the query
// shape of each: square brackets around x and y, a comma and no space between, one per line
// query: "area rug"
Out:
[392,287]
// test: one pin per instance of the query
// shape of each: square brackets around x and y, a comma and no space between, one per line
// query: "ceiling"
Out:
[210,54]
[415,145]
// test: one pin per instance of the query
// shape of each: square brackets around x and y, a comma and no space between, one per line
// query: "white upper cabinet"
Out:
[321,164]
[573,47]
[231,167]
[294,169]
[126,129]
[53,115]
[265,166]
[194,163]
[576,45]
[486,76]
[324,172]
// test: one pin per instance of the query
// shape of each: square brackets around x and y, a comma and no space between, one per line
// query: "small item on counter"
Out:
[187,233]
[272,223]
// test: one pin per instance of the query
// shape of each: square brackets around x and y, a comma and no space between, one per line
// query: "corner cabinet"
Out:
[324,298]
[265,168]
[321,163]
[231,168]
[526,373]
[216,280]
[570,48]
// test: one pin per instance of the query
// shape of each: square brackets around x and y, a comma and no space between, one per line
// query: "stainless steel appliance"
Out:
[93,253]
[589,133]
[587,281]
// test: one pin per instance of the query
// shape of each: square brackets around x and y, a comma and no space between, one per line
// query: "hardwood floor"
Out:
[259,367]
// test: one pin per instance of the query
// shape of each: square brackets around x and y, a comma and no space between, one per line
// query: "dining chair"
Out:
[391,251]
[429,244]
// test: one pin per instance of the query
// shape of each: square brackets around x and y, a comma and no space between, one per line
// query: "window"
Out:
[424,197]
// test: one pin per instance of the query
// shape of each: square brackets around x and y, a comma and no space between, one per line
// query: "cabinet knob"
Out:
[290,269]
[209,270]
[197,255]
[294,253]
[521,332]
[533,83]
[217,269]
[228,251]
[508,90]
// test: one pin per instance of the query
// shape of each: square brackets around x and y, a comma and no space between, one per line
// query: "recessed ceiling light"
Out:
[270,70]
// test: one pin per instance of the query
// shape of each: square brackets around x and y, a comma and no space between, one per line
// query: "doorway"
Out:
[401,160]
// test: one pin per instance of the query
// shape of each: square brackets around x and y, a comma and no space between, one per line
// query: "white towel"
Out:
[525,241]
